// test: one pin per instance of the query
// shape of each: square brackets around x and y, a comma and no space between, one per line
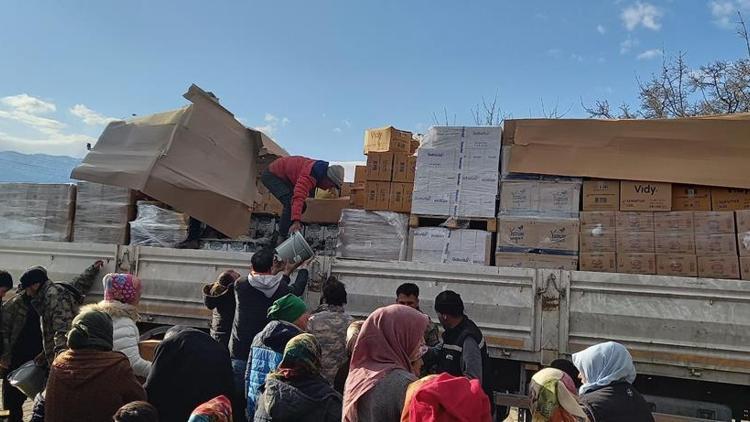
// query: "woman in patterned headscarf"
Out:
[553,397]
[218,409]
[296,391]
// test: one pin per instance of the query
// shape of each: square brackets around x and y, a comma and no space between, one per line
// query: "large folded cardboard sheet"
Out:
[198,159]
[712,150]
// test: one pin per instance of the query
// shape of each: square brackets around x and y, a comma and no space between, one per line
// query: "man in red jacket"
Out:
[292,180]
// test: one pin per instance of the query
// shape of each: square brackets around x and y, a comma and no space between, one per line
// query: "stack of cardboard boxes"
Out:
[743,242]
[102,213]
[30,211]
[356,191]
[390,170]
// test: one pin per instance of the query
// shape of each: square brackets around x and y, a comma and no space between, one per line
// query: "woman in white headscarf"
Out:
[607,393]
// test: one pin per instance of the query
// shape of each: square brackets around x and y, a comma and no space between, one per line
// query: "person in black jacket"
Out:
[219,298]
[607,393]
[268,281]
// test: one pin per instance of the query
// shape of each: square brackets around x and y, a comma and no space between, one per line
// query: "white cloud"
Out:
[650,54]
[555,53]
[273,124]
[576,57]
[628,44]
[644,14]
[347,123]
[337,130]
[89,116]
[724,12]
[601,29]
[40,134]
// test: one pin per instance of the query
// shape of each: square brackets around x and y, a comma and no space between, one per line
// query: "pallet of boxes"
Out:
[453,214]
[375,225]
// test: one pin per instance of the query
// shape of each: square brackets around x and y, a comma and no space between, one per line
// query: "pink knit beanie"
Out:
[122,287]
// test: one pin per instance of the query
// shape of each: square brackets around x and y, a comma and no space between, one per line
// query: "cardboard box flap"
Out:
[708,151]
[179,157]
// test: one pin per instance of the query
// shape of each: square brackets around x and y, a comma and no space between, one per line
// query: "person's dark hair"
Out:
[6,280]
[33,276]
[137,411]
[449,303]
[334,292]
[567,367]
[408,289]
[226,278]
[262,261]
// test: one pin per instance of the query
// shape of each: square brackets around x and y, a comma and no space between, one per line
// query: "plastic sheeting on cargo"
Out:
[157,226]
[372,235]
[30,211]
[102,213]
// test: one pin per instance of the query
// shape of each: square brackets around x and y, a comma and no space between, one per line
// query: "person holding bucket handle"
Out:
[292,180]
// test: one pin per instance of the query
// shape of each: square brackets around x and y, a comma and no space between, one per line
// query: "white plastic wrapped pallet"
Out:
[457,172]
[442,245]
[372,235]
[31,211]
[156,226]
[102,213]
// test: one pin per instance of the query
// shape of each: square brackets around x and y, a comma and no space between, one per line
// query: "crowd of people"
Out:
[268,358]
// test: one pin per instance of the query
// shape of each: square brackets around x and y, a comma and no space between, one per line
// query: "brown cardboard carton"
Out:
[603,219]
[677,265]
[532,260]
[713,222]
[387,139]
[380,166]
[715,244]
[675,221]
[743,221]
[743,243]
[597,239]
[414,146]
[601,195]
[360,174]
[528,233]
[635,221]
[645,196]
[404,167]
[636,263]
[598,261]
[730,199]
[377,196]
[358,198]
[691,198]
[398,201]
[635,242]
[324,211]
[675,243]
[745,267]
[346,189]
[408,193]
[720,266]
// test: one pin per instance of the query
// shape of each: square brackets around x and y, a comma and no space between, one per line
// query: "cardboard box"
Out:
[645,196]
[400,197]
[414,146]
[377,196]
[324,211]
[635,221]
[677,265]
[540,197]
[604,219]
[730,199]
[675,243]
[713,222]
[442,245]
[636,263]
[380,166]
[743,221]
[720,266]
[387,139]
[675,221]
[404,167]
[605,262]
[36,211]
[360,174]
[715,244]
[745,267]
[346,189]
[635,242]
[357,200]
[523,234]
[691,198]
[378,236]
[597,239]
[743,243]
[533,260]
[601,195]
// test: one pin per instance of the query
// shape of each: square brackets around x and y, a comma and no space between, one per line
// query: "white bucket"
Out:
[294,249]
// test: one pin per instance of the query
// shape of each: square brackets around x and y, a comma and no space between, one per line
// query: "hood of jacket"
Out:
[266,283]
[214,294]
[114,309]
[276,335]
[295,401]
[74,368]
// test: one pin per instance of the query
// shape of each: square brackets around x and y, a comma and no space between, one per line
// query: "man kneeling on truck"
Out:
[292,180]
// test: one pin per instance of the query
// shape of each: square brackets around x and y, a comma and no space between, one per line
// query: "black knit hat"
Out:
[449,303]
[6,280]
[32,276]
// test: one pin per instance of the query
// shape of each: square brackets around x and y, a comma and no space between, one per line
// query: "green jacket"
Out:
[57,305]
[13,320]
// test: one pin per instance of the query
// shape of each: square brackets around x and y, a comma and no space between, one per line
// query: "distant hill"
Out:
[36,168]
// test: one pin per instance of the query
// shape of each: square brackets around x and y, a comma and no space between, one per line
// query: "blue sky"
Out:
[316,74]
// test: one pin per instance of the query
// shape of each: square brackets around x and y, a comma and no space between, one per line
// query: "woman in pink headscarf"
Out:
[386,357]
[122,292]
